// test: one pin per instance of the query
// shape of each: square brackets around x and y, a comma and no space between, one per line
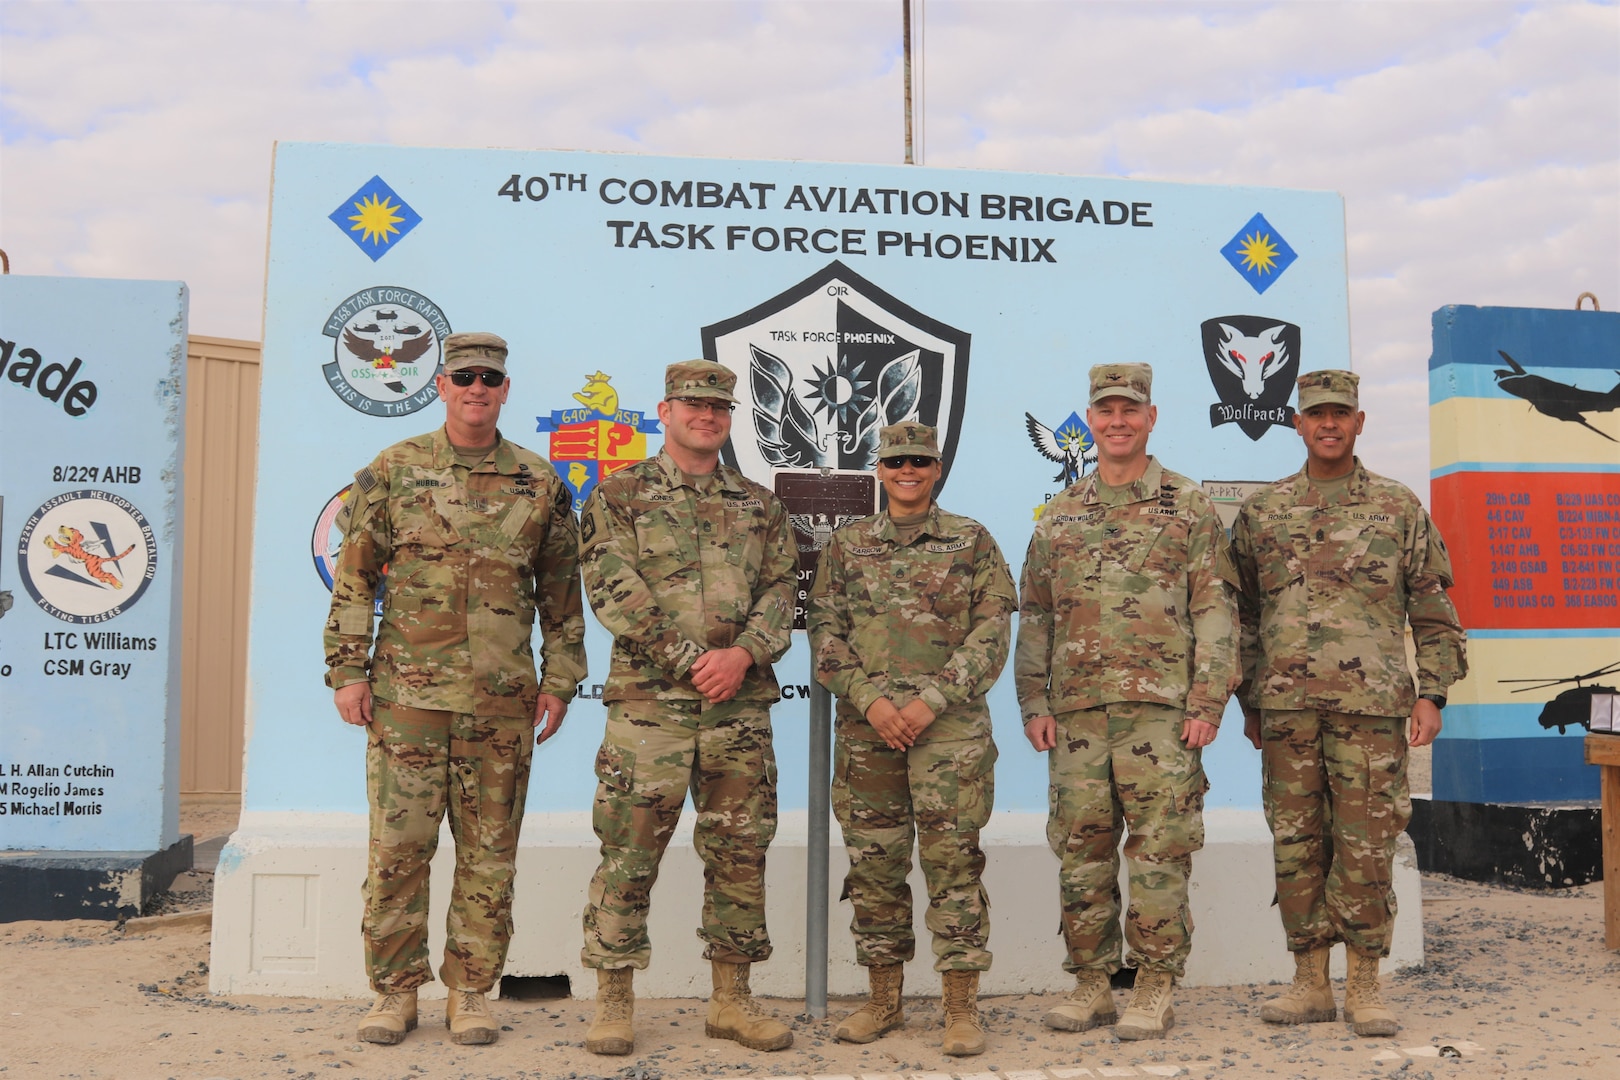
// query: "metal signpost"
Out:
[818,502]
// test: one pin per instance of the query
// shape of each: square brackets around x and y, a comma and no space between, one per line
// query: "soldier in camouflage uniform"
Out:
[691,566]
[1334,562]
[911,620]
[1126,657]
[478,536]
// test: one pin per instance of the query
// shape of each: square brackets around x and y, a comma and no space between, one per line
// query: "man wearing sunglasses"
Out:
[691,567]
[910,621]
[476,536]
[1126,657]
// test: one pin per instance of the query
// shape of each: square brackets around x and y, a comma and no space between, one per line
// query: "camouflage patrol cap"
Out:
[699,378]
[1329,388]
[1134,381]
[475,349]
[897,440]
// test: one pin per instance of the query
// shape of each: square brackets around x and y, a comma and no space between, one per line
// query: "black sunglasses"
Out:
[918,461]
[490,379]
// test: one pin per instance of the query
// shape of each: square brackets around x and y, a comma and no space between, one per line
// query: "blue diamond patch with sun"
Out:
[1259,253]
[375,218]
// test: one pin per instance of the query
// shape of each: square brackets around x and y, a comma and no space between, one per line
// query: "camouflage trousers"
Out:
[1336,800]
[1117,767]
[939,793]
[653,752]
[420,762]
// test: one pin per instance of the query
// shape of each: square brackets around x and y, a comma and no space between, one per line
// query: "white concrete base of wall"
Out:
[287,909]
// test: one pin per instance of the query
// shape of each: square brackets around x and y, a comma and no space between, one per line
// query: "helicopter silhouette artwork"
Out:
[1572,706]
[1561,401]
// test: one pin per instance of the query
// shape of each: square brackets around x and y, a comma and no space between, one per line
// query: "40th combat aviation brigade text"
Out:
[834,199]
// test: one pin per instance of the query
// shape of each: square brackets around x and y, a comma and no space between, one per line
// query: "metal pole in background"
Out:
[905,35]
[912,45]
[816,876]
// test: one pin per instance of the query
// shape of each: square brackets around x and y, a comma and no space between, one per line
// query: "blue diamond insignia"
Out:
[1259,253]
[375,218]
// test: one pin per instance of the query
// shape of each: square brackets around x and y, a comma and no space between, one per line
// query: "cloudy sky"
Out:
[1477,145]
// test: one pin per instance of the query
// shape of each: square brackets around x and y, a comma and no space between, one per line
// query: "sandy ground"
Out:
[1516,984]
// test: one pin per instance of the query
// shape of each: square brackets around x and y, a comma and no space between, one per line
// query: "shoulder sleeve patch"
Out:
[366,478]
[565,499]
[592,525]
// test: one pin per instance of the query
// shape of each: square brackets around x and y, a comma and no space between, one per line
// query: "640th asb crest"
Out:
[825,364]
[596,440]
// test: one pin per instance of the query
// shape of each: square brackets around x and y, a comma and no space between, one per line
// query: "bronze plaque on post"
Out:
[819,501]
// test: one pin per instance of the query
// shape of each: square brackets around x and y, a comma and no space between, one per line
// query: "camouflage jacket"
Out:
[1128,598]
[931,619]
[470,556]
[672,571]
[1327,591]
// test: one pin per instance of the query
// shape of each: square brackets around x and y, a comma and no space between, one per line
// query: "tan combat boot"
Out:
[734,1015]
[1149,1014]
[1090,1004]
[882,1011]
[466,1014]
[612,1032]
[1310,999]
[964,1034]
[390,1018]
[1364,1008]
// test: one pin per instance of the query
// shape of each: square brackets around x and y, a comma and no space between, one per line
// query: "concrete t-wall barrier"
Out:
[288,903]
[92,384]
[973,300]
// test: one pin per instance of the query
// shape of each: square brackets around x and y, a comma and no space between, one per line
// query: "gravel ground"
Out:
[1516,984]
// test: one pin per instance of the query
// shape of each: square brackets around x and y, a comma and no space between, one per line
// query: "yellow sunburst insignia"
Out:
[1259,253]
[376,219]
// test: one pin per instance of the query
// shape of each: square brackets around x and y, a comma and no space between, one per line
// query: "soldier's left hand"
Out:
[718,674]
[1425,723]
[549,711]
[1198,733]
[916,716]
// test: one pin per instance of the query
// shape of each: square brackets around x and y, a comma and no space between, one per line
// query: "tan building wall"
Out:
[222,439]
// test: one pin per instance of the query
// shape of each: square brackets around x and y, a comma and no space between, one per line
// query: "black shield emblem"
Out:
[823,365]
[1253,362]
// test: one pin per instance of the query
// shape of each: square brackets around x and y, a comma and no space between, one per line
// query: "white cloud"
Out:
[1477,145]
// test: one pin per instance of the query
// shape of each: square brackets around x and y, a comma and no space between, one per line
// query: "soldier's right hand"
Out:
[1041,731]
[887,722]
[354,703]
